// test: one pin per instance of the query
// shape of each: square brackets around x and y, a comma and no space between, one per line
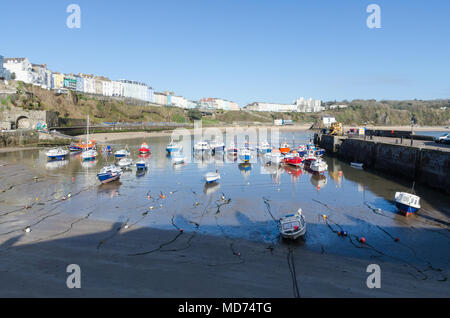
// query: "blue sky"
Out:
[243,50]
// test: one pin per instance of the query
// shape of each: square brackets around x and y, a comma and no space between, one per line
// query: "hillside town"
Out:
[21,69]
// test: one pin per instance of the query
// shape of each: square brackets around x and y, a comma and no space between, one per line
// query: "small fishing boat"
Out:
[318,166]
[232,150]
[264,147]
[293,159]
[107,149]
[172,147]
[285,148]
[144,149]
[89,155]
[274,158]
[212,177]
[407,202]
[109,174]
[178,158]
[57,154]
[302,150]
[319,152]
[81,146]
[292,226]
[217,146]
[202,146]
[142,165]
[125,163]
[121,153]
[245,154]
[357,165]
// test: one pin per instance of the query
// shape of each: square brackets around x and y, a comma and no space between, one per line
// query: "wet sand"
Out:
[117,261]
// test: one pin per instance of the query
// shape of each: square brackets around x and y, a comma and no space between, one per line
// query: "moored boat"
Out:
[212,177]
[142,165]
[318,166]
[217,146]
[285,148]
[293,159]
[57,154]
[202,146]
[264,148]
[109,174]
[144,148]
[172,147]
[232,150]
[245,154]
[292,226]
[274,158]
[125,162]
[407,203]
[89,155]
[121,153]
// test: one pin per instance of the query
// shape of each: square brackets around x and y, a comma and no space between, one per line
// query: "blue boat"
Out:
[172,147]
[245,155]
[407,203]
[109,174]
[141,165]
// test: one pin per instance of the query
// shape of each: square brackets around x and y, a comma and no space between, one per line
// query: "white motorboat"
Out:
[121,153]
[274,158]
[318,166]
[292,226]
[125,162]
[245,154]
[212,177]
[264,147]
[57,154]
[407,202]
[217,146]
[202,146]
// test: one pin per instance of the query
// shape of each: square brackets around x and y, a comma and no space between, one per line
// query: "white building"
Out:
[117,89]
[225,104]
[21,67]
[308,105]
[179,101]
[108,88]
[272,107]
[137,90]
[328,120]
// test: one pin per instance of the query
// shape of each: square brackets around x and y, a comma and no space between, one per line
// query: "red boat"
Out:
[144,149]
[293,159]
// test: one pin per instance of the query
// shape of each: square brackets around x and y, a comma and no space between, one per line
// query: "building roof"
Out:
[14,59]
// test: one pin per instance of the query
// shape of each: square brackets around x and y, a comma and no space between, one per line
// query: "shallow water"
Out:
[168,197]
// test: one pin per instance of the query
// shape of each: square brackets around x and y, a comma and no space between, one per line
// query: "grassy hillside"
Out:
[101,109]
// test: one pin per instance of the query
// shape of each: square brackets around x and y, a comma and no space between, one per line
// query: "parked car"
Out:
[444,139]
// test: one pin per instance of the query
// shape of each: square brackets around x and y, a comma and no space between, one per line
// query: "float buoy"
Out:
[362,240]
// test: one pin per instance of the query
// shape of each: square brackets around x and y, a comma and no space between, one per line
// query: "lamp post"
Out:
[413,121]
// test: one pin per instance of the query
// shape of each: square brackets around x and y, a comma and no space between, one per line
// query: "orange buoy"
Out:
[362,240]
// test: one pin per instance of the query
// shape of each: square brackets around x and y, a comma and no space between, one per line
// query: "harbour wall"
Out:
[430,167]
[19,138]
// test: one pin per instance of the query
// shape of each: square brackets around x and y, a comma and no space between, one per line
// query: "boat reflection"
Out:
[294,172]
[245,169]
[211,188]
[319,181]
[56,164]
[275,172]
[111,189]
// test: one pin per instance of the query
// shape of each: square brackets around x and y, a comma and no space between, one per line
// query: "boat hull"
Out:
[107,177]
[406,208]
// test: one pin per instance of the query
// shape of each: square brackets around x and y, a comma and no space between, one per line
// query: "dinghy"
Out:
[292,226]
[212,177]
[357,165]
